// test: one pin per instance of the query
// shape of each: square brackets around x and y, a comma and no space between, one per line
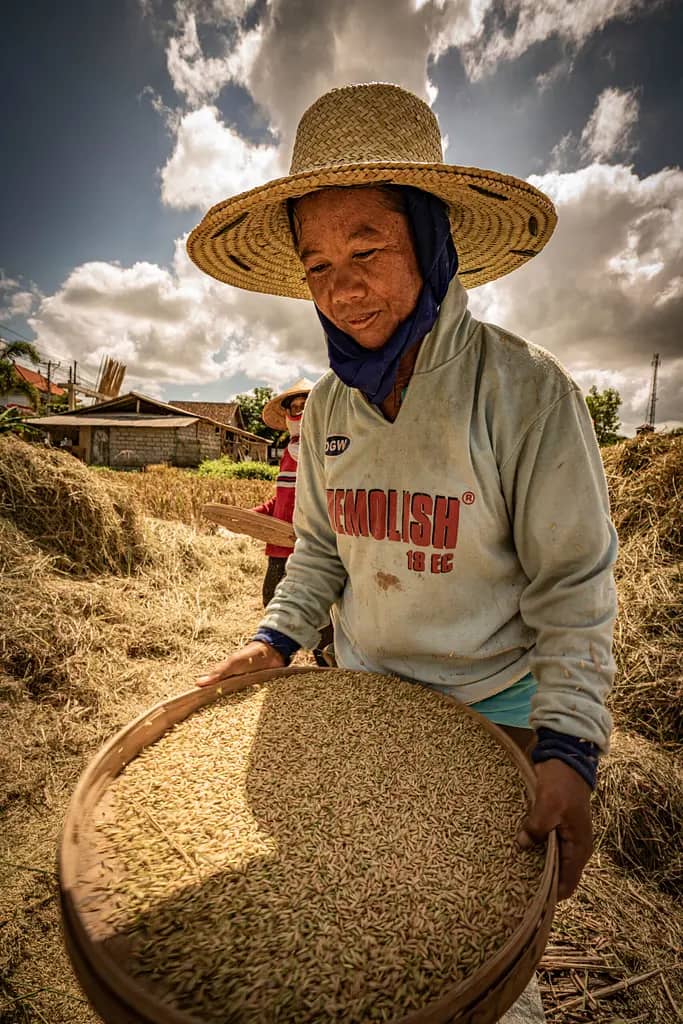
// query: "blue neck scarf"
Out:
[374,371]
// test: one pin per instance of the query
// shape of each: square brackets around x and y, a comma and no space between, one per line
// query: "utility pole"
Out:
[652,403]
[71,391]
[49,371]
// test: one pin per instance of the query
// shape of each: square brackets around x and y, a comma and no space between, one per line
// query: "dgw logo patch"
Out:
[336,444]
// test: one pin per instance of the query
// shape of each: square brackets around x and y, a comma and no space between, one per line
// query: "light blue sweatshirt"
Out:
[467,543]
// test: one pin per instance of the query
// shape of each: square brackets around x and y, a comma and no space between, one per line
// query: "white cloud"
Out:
[7,283]
[17,298]
[342,41]
[176,326]
[608,132]
[562,69]
[535,21]
[563,153]
[211,161]
[21,303]
[199,78]
[606,292]
[345,41]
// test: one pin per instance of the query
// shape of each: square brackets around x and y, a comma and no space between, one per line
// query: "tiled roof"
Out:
[37,380]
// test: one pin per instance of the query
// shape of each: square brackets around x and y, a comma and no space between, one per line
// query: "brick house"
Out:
[136,430]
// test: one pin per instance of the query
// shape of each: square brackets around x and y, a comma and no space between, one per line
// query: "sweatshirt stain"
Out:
[387,581]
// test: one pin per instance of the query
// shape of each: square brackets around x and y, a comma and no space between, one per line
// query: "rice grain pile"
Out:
[336,846]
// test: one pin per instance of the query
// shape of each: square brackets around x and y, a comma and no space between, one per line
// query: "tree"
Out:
[9,380]
[11,422]
[19,350]
[251,406]
[603,407]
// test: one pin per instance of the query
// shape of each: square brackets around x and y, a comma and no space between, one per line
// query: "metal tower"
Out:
[652,401]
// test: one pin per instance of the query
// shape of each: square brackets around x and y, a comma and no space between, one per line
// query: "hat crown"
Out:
[302,384]
[374,123]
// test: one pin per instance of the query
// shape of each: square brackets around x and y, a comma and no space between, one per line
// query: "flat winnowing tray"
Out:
[254,524]
[341,849]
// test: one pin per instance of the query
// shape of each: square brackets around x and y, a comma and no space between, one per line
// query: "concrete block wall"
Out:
[141,446]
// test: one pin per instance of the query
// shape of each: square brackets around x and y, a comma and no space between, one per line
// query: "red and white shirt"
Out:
[282,505]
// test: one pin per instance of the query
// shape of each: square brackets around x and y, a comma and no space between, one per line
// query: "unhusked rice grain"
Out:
[329,846]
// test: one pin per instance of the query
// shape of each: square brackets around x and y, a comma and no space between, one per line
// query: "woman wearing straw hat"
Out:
[452,508]
[285,412]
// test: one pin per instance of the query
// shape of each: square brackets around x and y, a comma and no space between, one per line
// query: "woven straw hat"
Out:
[365,135]
[273,414]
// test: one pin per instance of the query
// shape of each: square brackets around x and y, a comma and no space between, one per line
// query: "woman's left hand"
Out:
[562,802]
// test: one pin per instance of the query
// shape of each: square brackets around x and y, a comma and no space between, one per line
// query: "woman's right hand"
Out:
[255,656]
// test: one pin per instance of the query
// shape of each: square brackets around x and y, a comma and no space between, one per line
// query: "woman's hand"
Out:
[255,656]
[562,802]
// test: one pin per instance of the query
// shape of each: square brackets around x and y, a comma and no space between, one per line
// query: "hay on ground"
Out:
[648,643]
[644,477]
[171,493]
[56,633]
[634,928]
[69,513]
[639,809]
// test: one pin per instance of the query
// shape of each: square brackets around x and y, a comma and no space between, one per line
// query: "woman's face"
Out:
[359,260]
[296,406]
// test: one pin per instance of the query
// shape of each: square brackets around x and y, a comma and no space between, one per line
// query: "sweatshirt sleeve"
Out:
[555,488]
[315,574]
[267,508]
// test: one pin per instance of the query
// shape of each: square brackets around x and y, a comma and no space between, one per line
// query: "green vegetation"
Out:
[227,469]
[604,407]
[11,422]
[251,406]
[10,351]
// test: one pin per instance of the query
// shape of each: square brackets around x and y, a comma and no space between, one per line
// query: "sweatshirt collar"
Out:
[450,333]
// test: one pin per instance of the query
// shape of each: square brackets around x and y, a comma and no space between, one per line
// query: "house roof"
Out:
[138,409]
[113,420]
[37,380]
[224,412]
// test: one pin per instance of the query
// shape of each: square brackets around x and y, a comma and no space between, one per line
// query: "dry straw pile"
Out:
[82,651]
[645,478]
[623,932]
[51,497]
[89,582]
[639,806]
[322,848]
[640,796]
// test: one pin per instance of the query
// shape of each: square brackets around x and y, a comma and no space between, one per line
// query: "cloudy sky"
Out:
[124,121]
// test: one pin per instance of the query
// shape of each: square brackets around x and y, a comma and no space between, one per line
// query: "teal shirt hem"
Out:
[511,706]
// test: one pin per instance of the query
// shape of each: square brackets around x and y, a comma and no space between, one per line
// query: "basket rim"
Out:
[153,723]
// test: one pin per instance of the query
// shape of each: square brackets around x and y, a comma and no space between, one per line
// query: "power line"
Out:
[44,357]
[23,337]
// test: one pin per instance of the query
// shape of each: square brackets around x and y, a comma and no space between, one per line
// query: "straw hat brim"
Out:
[273,413]
[499,222]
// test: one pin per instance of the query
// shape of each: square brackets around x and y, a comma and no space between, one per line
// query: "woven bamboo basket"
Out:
[254,524]
[100,963]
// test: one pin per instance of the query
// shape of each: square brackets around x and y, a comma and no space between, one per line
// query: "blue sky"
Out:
[125,121]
